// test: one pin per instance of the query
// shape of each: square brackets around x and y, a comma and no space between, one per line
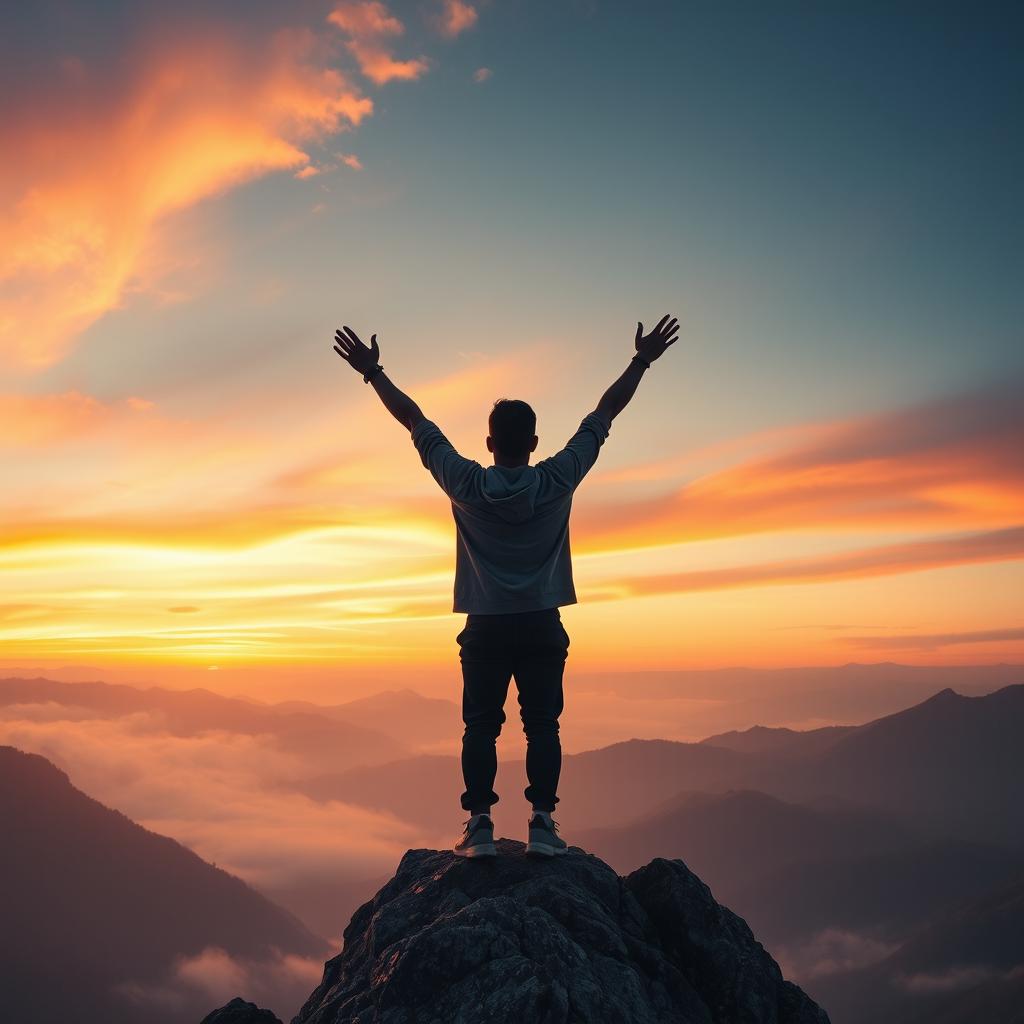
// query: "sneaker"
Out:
[544,839]
[478,839]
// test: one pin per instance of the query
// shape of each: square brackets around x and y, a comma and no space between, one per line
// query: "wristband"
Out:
[370,374]
[643,362]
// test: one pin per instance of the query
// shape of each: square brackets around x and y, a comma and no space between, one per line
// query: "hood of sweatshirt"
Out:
[510,494]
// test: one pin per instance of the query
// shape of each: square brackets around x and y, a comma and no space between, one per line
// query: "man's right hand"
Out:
[651,346]
[361,357]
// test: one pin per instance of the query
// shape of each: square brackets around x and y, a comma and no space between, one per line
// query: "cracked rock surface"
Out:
[512,939]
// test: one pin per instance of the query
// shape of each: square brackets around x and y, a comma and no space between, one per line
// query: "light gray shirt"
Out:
[512,525]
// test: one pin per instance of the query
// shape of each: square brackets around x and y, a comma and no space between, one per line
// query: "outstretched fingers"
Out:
[668,333]
[354,338]
[342,345]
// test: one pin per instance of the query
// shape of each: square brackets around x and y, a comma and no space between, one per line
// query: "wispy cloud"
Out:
[832,951]
[482,74]
[370,26]
[933,641]
[955,463]
[954,979]
[37,420]
[100,154]
[97,159]
[214,976]
[455,17]
[882,560]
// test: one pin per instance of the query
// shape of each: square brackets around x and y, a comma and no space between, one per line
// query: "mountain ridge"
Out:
[948,763]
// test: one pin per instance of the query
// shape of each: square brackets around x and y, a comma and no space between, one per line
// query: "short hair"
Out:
[512,424]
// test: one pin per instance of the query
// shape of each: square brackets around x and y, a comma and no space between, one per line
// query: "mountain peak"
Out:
[566,940]
[238,1011]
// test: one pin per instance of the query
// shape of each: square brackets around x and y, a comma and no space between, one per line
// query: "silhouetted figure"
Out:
[513,570]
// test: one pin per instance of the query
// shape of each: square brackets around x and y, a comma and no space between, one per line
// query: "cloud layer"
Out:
[222,794]
[197,984]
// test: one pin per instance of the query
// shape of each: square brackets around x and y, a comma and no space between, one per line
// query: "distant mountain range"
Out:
[712,701]
[404,715]
[92,901]
[363,732]
[949,766]
[795,870]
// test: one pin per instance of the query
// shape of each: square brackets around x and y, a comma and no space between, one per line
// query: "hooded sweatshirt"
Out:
[512,524]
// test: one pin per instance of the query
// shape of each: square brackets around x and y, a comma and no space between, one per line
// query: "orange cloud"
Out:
[44,419]
[482,74]
[94,166]
[368,25]
[954,463]
[455,17]
[351,160]
[933,641]
[913,556]
[365,18]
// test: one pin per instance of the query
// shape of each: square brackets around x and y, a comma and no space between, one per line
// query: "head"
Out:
[512,424]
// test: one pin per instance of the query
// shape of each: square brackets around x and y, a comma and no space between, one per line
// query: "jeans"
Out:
[533,647]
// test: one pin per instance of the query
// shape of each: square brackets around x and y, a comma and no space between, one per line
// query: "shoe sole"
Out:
[483,850]
[546,850]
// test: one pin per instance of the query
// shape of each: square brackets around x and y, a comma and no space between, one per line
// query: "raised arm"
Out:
[648,348]
[365,360]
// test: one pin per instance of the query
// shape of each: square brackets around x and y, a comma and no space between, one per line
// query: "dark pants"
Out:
[533,647]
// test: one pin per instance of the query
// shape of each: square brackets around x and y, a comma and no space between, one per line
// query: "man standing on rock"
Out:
[513,571]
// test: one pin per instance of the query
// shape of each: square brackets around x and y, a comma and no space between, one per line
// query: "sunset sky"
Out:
[827,467]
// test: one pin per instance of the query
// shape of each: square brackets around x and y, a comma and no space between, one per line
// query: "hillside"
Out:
[106,906]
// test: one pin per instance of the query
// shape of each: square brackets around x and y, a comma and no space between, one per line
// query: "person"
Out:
[513,571]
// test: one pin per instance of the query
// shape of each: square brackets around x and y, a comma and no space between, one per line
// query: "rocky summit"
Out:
[238,1011]
[555,941]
